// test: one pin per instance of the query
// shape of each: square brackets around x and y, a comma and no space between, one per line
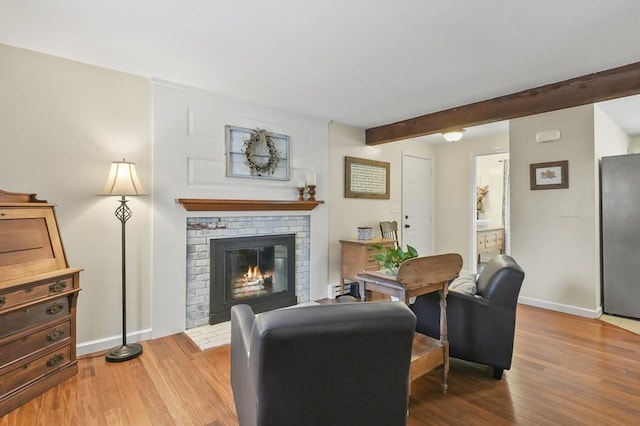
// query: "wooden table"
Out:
[381,282]
[416,277]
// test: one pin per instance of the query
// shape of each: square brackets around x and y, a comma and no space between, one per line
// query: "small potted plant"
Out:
[390,258]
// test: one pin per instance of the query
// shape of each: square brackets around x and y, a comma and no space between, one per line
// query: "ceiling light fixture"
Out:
[453,135]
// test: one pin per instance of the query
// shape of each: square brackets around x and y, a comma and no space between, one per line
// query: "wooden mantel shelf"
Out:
[208,204]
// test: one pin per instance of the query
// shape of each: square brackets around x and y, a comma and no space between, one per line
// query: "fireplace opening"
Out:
[258,271]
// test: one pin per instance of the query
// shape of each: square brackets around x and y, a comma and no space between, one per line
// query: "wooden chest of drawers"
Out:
[358,256]
[38,294]
[490,240]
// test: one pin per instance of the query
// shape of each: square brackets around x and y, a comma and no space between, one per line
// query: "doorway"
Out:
[491,207]
[417,204]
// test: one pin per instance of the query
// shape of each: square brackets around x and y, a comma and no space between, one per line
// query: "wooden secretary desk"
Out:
[38,294]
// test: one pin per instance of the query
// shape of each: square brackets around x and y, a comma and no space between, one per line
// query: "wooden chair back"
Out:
[389,230]
[421,271]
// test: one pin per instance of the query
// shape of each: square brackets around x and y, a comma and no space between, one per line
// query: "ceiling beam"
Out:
[596,87]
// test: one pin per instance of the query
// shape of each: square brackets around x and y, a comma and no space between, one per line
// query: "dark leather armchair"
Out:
[339,364]
[480,328]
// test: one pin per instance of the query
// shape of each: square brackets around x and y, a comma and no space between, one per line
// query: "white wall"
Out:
[608,137]
[559,254]
[634,144]
[190,164]
[346,214]
[62,123]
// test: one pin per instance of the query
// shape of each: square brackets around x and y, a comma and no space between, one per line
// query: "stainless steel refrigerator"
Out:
[620,234]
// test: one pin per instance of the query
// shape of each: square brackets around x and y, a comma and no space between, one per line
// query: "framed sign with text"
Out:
[366,178]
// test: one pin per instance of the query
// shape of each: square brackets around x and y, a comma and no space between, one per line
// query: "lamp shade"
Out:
[453,135]
[122,180]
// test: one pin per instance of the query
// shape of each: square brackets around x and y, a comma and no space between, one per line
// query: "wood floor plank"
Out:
[566,370]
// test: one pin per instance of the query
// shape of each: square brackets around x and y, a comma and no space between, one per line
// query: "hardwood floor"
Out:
[566,370]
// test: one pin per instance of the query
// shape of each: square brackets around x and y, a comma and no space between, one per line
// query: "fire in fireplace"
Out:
[252,283]
[258,271]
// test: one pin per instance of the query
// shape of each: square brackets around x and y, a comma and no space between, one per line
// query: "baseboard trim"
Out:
[559,307]
[111,342]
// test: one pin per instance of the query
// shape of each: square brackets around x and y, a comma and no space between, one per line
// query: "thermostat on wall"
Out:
[548,136]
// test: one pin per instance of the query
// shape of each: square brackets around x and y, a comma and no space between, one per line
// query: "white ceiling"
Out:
[361,63]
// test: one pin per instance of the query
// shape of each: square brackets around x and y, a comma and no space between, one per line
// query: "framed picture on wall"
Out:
[256,153]
[366,178]
[551,175]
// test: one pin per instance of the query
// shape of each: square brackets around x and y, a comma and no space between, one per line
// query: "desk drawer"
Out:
[26,344]
[370,261]
[481,243]
[491,240]
[29,371]
[34,292]
[22,319]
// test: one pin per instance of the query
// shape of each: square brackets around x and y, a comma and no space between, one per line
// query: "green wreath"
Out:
[257,138]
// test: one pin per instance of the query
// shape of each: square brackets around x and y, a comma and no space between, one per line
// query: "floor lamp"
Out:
[123,180]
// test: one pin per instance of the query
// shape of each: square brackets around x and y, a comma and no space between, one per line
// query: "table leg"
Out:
[363,290]
[444,339]
[404,296]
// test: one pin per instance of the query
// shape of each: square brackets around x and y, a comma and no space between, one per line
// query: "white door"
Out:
[417,190]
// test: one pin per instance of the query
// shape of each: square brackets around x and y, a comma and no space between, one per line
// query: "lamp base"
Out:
[124,353]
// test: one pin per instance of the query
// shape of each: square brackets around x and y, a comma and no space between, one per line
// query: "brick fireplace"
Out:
[200,233]
[258,271]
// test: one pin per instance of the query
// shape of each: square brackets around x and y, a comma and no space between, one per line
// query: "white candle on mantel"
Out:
[311,178]
[301,184]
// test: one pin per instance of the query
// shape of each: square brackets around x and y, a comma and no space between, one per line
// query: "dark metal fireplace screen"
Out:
[258,271]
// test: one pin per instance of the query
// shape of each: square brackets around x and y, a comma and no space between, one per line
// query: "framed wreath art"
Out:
[257,153]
